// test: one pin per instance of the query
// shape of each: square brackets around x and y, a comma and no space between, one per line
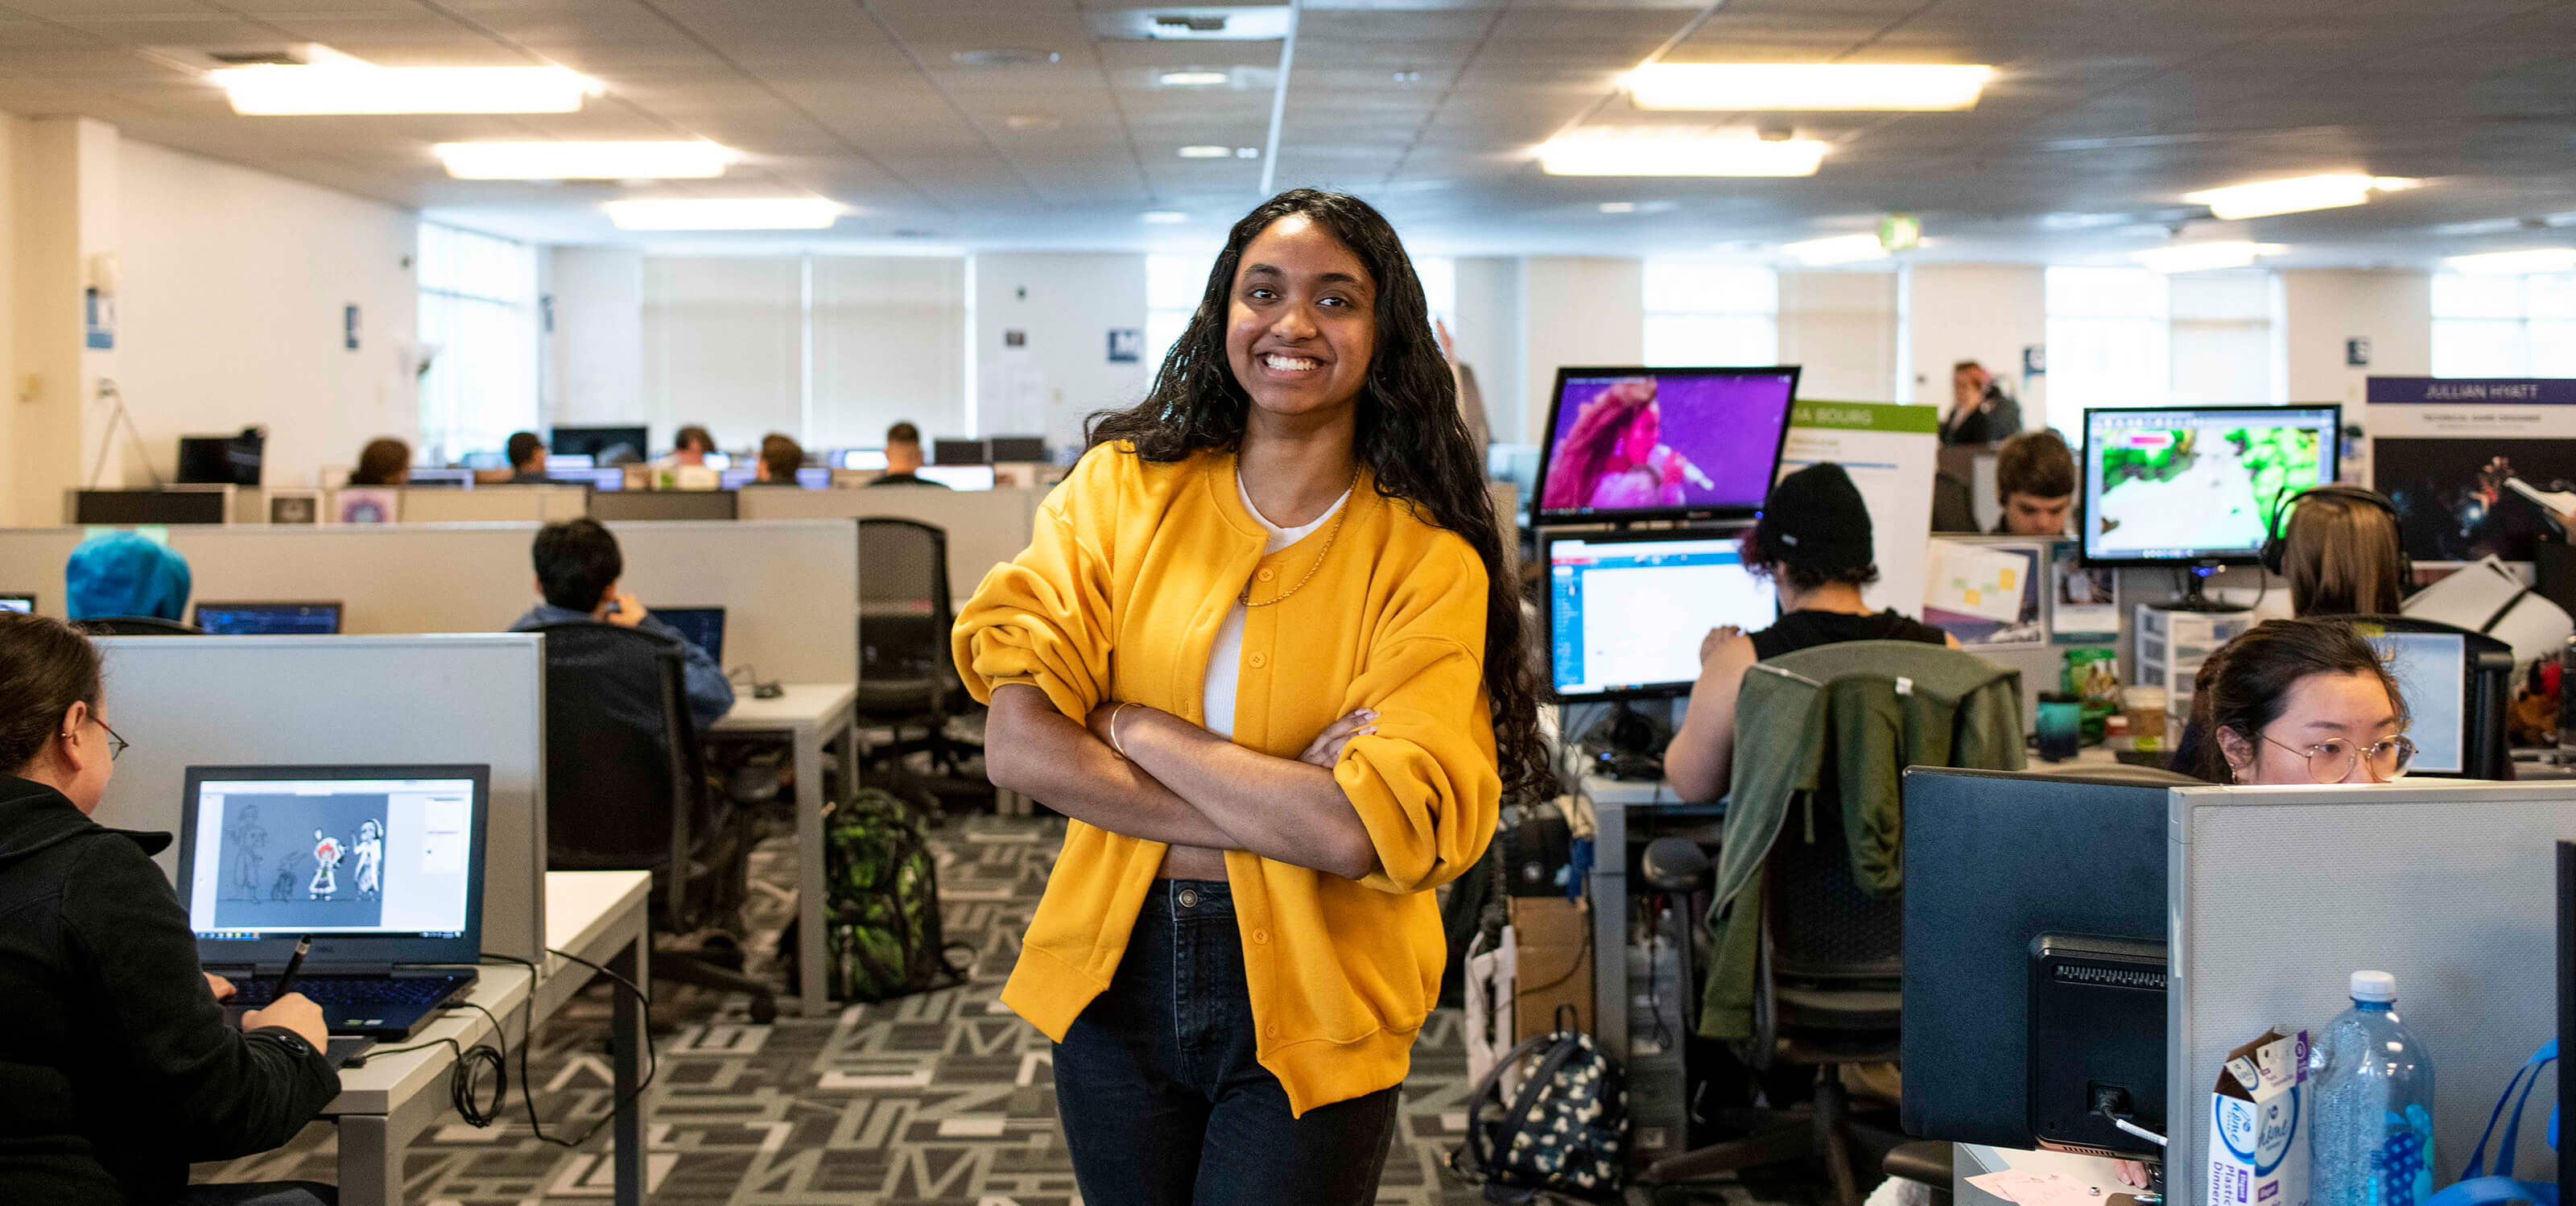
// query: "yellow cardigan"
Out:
[1131,570]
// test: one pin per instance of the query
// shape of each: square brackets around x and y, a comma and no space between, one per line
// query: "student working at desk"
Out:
[2296,701]
[578,567]
[117,1068]
[903,459]
[2035,483]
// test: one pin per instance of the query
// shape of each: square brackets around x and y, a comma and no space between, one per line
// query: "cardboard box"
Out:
[1553,964]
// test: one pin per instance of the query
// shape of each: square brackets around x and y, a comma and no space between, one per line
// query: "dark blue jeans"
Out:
[1160,1093]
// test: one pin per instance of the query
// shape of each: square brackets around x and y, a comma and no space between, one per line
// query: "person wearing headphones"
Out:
[2338,546]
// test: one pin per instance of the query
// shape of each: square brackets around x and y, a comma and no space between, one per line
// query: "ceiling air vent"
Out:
[1193,23]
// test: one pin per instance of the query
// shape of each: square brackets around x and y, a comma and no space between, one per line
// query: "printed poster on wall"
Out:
[1890,452]
[2478,467]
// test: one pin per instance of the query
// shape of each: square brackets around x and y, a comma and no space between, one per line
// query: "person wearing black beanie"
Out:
[1813,541]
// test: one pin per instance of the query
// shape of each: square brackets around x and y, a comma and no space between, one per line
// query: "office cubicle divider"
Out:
[310,701]
[2280,893]
[491,504]
[789,590]
[985,527]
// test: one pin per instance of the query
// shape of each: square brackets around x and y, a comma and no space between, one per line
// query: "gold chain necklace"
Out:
[1246,597]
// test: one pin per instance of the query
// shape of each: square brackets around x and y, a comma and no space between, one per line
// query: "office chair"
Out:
[626,789]
[906,677]
[138,626]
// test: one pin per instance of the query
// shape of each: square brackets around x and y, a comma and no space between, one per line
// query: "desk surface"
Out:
[582,905]
[802,706]
[387,1081]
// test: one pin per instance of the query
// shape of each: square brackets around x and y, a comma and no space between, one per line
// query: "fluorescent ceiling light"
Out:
[2296,195]
[1194,79]
[1205,150]
[2515,263]
[336,83]
[2203,257]
[1807,86]
[1164,217]
[1649,151]
[695,159]
[1618,207]
[1840,249]
[725,213]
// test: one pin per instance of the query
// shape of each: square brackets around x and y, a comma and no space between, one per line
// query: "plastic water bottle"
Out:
[2373,1085]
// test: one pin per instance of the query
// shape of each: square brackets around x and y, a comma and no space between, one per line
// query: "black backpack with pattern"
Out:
[1565,1130]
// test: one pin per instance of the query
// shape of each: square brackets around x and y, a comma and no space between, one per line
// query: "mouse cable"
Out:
[473,1064]
[527,1094]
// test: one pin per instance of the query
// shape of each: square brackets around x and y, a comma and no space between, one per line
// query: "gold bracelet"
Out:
[1114,744]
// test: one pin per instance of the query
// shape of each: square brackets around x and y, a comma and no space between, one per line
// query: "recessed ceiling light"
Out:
[2204,257]
[2515,263]
[1649,151]
[1807,86]
[1205,150]
[1004,56]
[1247,152]
[695,159]
[335,83]
[1164,217]
[725,213]
[1618,207]
[1194,78]
[1839,249]
[2296,195]
[1032,121]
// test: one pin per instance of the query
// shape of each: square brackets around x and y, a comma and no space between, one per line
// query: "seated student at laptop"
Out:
[903,459]
[780,458]
[578,566]
[2035,482]
[1813,542]
[383,462]
[117,575]
[527,461]
[117,1068]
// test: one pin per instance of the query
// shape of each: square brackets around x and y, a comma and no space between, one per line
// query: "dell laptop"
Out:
[381,865]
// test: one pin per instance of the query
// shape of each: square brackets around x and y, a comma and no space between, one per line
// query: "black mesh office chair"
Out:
[138,626]
[626,789]
[906,677]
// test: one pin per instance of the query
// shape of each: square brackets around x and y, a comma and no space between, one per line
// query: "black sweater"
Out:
[117,1068]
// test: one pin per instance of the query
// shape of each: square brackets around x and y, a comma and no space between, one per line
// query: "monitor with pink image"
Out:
[1660,443]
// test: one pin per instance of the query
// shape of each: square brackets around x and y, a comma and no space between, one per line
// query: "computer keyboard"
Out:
[347,990]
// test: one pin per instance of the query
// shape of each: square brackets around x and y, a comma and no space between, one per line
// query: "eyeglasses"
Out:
[115,744]
[2330,761]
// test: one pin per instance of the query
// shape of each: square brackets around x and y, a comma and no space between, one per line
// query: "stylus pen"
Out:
[286,982]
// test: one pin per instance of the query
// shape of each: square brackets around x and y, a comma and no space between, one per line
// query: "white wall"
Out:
[1067,304]
[230,298]
[595,354]
[1575,310]
[1841,326]
[2321,308]
[1488,331]
[1982,312]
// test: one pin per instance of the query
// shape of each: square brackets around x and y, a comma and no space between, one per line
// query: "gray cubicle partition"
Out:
[493,504]
[789,590]
[267,701]
[985,527]
[2281,893]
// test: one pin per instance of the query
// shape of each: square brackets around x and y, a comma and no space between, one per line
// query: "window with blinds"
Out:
[478,326]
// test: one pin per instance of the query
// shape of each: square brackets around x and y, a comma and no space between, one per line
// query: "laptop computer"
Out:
[269,619]
[382,865]
[699,626]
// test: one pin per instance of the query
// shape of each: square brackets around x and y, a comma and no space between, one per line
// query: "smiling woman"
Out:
[1263,649]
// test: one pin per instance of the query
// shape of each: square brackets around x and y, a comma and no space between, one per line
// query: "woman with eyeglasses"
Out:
[2296,701]
[117,1066]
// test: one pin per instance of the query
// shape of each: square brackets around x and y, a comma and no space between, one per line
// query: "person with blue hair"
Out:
[116,575]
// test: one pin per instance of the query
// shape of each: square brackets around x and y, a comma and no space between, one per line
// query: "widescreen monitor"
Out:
[1626,611]
[610,478]
[958,477]
[22,604]
[561,462]
[1646,443]
[1010,450]
[2189,485]
[232,460]
[269,619]
[604,445]
[866,459]
[811,477]
[961,452]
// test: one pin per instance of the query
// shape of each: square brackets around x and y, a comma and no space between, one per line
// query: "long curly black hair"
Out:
[1408,432]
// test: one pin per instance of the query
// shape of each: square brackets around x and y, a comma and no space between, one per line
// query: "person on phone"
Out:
[578,567]
[117,1068]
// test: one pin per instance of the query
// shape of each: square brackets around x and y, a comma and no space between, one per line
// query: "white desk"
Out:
[601,916]
[810,716]
[392,1098]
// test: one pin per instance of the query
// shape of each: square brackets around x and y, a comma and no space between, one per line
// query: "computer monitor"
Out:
[625,505]
[378,863]
[269,619]
[1658,443]
[2186,485]
[485,460]
[1627,611]
[958,477]
[566,462]
[610,478]
[440,477]
[232,460]
[961,452]
[2035,913]
[2457,685]
[22,604]
[1014,450]
[863,458]
[604,445]
[699,626]
[148,506]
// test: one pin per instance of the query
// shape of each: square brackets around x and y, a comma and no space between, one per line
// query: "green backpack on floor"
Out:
[881,912]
